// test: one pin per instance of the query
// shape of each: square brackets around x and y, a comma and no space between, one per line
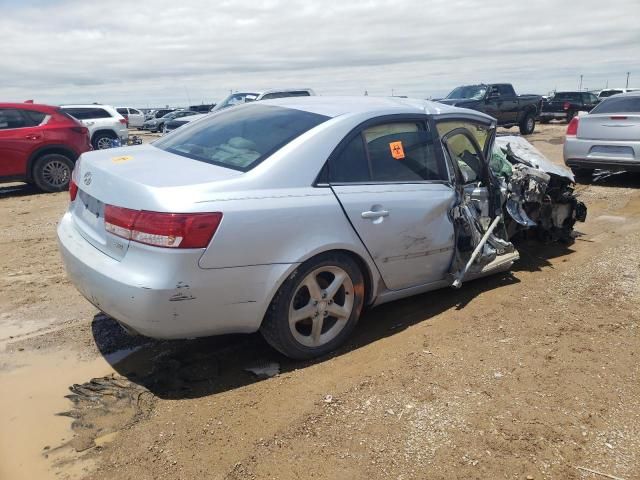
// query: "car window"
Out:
[390,152]
[567,97]
[351,165]
[11,118]
[624,104]
[241,137]
[481,133]
[122,111]
[608,93]
[466,155]
[133,111]
[33,117]
[86,113]
[506,90]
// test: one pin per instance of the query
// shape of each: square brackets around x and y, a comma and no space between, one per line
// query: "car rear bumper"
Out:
[165,294]
[602,154]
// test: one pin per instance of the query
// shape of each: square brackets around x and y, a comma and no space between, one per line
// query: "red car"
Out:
[39,144]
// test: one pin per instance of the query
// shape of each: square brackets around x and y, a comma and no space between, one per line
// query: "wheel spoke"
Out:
[316,329]
[301,314]
[338,311]
[335,285]
[315,292]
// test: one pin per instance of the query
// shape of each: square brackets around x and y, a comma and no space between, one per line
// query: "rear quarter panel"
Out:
[283,226]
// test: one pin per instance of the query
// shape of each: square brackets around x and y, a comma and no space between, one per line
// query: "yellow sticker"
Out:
[124,158]
[397,151]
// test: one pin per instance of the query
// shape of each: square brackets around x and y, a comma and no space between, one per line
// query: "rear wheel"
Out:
[528,124]
[52,172]
[103,140]
[316,308]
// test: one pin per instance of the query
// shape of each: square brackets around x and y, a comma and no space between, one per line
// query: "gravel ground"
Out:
[524,375]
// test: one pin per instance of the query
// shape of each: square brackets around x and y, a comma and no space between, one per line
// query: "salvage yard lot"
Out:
[529,374]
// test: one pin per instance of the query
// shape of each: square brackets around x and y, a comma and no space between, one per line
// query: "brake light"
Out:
[572,128]
[123,121]
[73,190]
[566,106]
[171,230]
[618,117]
[81,130]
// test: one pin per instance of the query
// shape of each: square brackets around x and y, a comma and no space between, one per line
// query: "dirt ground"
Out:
[527,375]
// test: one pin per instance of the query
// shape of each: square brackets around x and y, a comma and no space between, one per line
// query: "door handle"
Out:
[32,137]
[376,214]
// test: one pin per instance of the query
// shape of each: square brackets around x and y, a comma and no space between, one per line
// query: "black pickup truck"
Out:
[566,105]
[501,102]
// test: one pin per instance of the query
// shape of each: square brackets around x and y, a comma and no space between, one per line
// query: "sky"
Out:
[184,52]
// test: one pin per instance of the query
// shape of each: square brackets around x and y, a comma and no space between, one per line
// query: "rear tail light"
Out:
[171,230]
[81,130]
[572,128]
[73,190]
[123,121]
[566,106]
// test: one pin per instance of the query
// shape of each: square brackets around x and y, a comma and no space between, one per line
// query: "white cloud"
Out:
[167,52]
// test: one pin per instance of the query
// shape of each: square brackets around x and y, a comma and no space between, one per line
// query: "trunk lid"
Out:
[140,178]
[610,126]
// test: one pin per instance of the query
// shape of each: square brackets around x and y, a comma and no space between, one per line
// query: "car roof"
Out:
[28,106]
[86,105]
[338,105]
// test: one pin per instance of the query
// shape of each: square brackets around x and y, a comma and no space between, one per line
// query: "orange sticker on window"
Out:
[397,151]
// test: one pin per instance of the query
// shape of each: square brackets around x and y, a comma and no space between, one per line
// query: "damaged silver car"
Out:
[290,216]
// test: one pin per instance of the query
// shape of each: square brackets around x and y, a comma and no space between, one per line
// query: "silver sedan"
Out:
[291,216]
[606,138]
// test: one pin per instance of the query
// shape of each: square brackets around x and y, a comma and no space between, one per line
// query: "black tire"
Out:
[276,327]
[99,140]
[583,175]
[52,172]
[528,124]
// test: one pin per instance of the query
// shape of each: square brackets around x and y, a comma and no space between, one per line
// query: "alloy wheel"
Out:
[56,173]
[104,142]
[321,306]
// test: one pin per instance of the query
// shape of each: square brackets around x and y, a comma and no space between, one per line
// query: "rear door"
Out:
[19,137]
[395,188]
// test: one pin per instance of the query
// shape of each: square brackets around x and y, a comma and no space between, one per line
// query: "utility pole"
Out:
[580,87]
[628,79]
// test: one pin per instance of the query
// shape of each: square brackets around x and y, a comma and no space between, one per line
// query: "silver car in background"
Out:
[606,138]
[290,216]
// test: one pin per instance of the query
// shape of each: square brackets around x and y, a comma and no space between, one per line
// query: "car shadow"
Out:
[606,178]
[201,367]
[19,190]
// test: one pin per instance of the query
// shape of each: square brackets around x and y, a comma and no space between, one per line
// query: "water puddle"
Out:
[35,441]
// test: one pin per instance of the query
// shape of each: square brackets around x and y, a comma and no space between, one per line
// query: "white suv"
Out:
[104,122]
[135,118]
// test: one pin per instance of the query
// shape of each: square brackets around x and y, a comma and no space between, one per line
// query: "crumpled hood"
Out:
[523,149]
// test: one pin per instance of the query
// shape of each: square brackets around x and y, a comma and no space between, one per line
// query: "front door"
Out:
[394,187]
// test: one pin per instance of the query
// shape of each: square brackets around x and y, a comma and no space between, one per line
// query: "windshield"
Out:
[235,99]
[240,138]
[470,92]
[622,104]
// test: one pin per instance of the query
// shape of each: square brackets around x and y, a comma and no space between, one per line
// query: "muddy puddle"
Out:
[37,440]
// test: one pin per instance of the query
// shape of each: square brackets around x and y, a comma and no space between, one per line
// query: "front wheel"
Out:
[316,308]
[528,124]
[52,172]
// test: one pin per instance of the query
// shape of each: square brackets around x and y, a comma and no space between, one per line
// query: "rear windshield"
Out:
[241,137]
[608,93]
[624,104]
